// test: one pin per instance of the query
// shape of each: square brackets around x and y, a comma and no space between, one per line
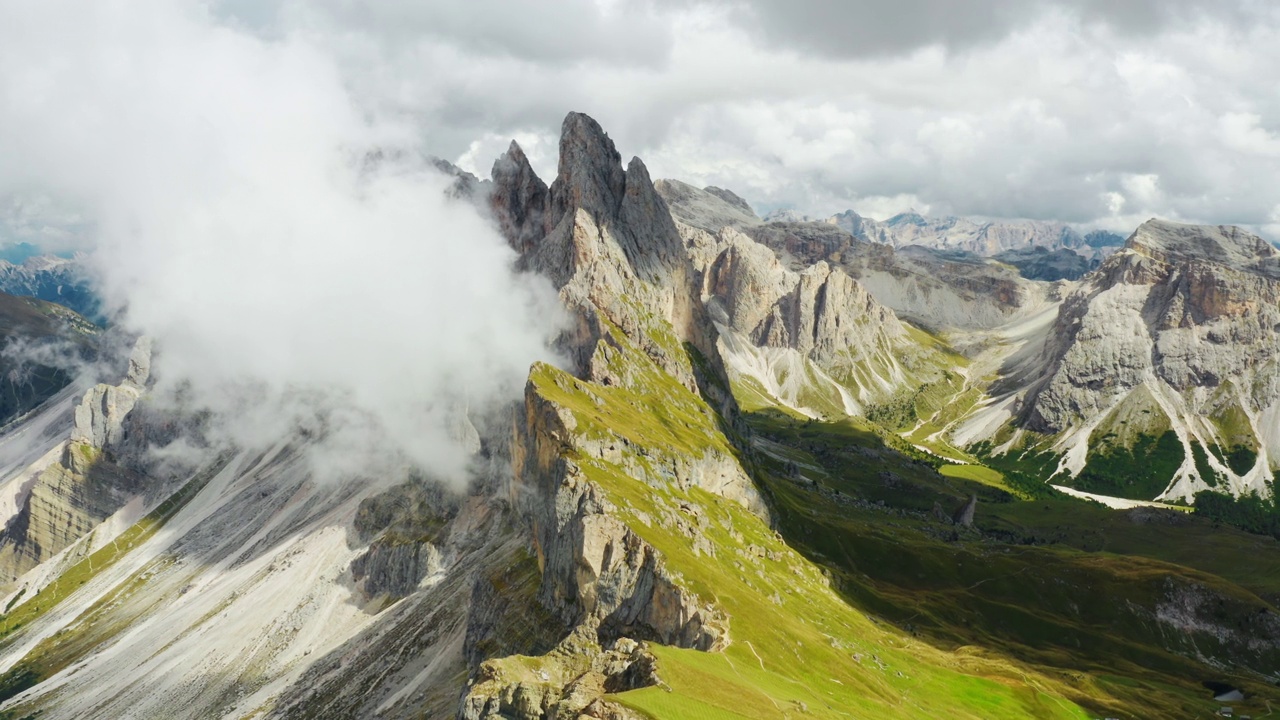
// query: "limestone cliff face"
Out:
[99,419]
[596,570]
[606,239]
[820,314]
[820,311]
[1190,313]
[929,287]
[86,486]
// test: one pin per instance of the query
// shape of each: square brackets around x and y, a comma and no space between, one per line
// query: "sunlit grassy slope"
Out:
[1061,584]
[797,646]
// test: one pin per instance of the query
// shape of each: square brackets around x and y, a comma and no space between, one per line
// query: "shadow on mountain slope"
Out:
[1080,591]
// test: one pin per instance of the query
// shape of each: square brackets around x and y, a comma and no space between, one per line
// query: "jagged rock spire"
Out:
[590,173]
[519,199]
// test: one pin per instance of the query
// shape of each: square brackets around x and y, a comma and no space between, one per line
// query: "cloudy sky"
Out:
[213,153]
[1095,112]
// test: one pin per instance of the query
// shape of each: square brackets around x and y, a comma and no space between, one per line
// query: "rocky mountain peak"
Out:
[730,197]
[519,199]
[708,209]
[1173,242]
[590,173]
[910,217]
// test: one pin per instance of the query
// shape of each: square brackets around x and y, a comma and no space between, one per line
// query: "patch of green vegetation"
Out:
[88,453]
[1249,512]
[1240,458]
[1047,582]
[1030,610]
[652,410]
[795,643]
[751,394]
[1026,471]
[1140,472]
[976,473]
[1230,419]
[797,646]
[51,655]
[1203,468]
[921,404]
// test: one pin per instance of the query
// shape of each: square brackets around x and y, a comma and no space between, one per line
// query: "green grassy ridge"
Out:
[60,650]
[799,646]
[813,646]
[904,568]
[977,473]
[69,581]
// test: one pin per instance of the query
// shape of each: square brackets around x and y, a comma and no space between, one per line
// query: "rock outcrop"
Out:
[595,568]
[1187,317]
[71,497]
[99,419]
[820,314]
[930,287]
[567,683]
[605,238]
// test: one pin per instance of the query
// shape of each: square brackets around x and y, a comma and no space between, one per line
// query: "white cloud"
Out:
[1035,109]
[235,222]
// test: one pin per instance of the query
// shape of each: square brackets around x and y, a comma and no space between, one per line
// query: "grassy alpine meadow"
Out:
[1067,586]
[797,645]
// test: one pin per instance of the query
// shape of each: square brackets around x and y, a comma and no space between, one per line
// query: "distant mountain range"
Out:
[981,237]
[53,278]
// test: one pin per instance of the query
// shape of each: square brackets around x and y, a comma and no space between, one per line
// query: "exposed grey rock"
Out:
[519,200]
[1191,313]
[99,420]
[606,239]
[1040,263]
[1195,307]
[921,285]
[100,416]
[708,209]
[730,197]
[983,238]
[394,567]
[964,516]
[570,683]
[820,311]
[594,566]
[71,497]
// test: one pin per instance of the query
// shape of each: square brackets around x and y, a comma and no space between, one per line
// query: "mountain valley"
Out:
[782,468]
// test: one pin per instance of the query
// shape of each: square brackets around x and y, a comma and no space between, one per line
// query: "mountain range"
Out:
[786,468]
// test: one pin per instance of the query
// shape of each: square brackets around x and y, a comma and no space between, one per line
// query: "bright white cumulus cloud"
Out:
[225,192]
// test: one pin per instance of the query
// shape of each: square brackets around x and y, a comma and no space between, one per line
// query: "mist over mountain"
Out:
[357,392]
